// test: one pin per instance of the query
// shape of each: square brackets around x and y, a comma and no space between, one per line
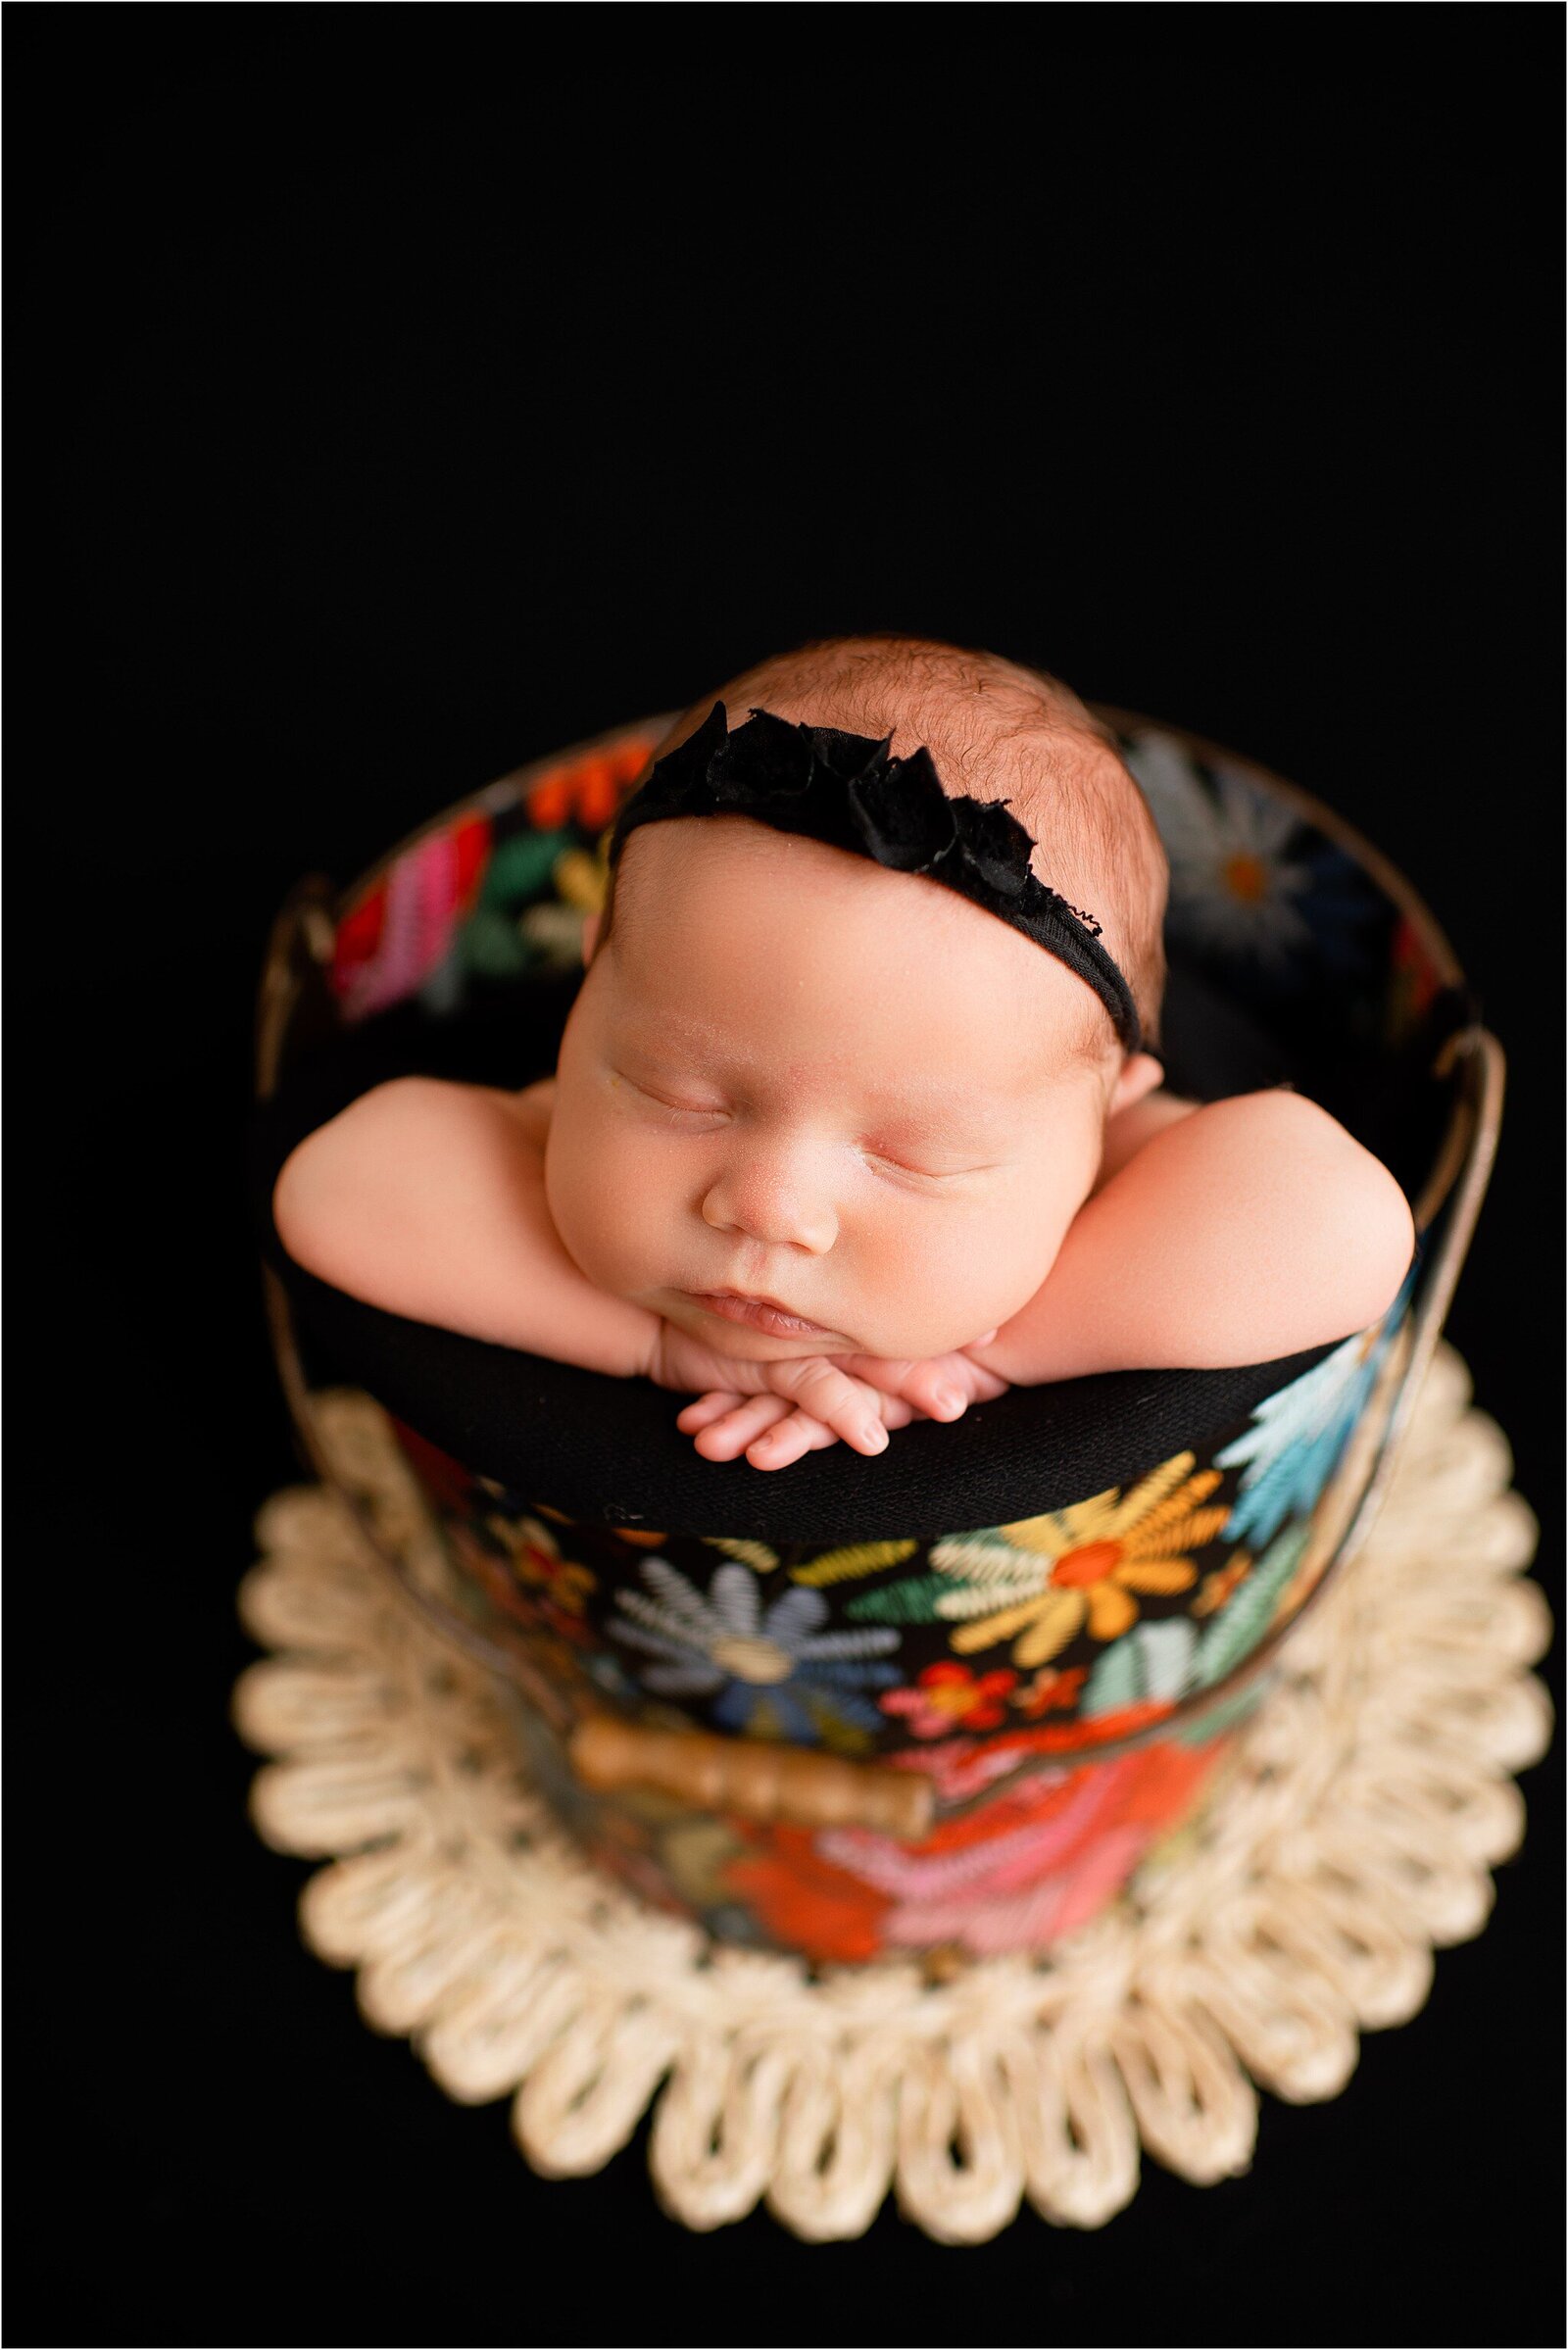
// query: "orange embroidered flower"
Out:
[589,792]
[947,1696]
[1217,1588]
[1041,1580]
[1050,1689]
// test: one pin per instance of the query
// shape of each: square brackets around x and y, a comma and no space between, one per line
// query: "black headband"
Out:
[847,790]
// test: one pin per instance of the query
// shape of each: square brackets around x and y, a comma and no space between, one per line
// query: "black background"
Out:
[408,393]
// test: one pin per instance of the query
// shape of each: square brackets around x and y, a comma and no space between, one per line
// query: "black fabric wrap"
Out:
[849,790]
[608,1451]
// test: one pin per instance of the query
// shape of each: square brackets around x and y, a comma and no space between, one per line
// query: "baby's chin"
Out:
[740,1342]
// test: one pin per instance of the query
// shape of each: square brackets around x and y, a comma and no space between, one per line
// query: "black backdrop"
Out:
[404,394]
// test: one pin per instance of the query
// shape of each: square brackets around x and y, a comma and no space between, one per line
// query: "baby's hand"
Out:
[941,1387]
[775,1411]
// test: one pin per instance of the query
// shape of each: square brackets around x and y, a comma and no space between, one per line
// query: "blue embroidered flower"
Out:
[1297,1435]
[774,1672]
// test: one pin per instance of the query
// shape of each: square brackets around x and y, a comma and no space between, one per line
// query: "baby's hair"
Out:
[997,731]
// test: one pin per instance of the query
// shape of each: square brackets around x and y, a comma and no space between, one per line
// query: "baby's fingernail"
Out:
[874,1435]
[947,1399]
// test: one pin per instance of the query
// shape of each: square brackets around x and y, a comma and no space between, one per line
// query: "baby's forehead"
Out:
[728,911]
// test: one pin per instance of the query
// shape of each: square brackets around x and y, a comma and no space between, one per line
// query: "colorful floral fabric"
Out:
[402,930]
[491,894]
[1051,1641]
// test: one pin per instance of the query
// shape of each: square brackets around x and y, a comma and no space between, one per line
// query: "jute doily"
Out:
[1372,1795]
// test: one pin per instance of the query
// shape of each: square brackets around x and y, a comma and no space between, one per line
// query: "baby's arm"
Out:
[429,1200]
[1238,1232]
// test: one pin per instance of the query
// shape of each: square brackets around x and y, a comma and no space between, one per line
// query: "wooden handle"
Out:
[761,1780]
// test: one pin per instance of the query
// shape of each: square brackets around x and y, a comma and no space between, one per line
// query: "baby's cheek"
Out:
[605,1210]
[940,1296]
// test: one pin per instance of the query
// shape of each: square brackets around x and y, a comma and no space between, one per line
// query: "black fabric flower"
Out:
[849,790]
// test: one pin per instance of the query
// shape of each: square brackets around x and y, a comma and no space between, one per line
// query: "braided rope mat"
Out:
[1372,1795]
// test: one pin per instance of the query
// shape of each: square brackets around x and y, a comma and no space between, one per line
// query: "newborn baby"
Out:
[832,1144]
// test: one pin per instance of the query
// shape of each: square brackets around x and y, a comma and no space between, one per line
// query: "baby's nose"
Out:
[770,1197]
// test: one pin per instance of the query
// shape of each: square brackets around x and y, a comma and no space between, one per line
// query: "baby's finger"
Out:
[914,1384]
[948,1384]
[848,1406]
[706,1409]
[727,1437]
[777,1446]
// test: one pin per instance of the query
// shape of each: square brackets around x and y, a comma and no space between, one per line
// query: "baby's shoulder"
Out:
[1131,1128]
[533,1107]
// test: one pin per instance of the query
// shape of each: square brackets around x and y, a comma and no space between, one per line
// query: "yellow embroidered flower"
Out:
[1039,1580]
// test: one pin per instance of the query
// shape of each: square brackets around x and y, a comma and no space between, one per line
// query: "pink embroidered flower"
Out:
[947,1695]
[1037,1865]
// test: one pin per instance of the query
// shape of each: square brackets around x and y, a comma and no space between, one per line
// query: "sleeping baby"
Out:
[857,1117]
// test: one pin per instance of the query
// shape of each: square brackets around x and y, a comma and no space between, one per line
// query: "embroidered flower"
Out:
[534,1557]
[589,791]
[1050,1689]
[1040,1582]
[1248,876]
[947,1695]
[1041,1863]
[767,1673]
[1160,1664]
[522,1569]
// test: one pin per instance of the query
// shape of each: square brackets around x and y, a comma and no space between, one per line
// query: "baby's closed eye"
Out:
[887,1163]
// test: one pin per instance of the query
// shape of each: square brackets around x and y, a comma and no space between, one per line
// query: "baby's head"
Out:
[796,1073]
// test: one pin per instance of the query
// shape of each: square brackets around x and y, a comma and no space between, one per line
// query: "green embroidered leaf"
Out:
[489,943]
[1226,1715]
[1246,1615]
[521,866]
[1165,1656]
[911,1602]
[1153,1662]
[1113,1683]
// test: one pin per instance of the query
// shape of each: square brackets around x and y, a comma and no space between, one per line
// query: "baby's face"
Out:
[795,1074]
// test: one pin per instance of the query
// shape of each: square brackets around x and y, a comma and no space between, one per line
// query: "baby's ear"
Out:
[590,938]
[1139,1074]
